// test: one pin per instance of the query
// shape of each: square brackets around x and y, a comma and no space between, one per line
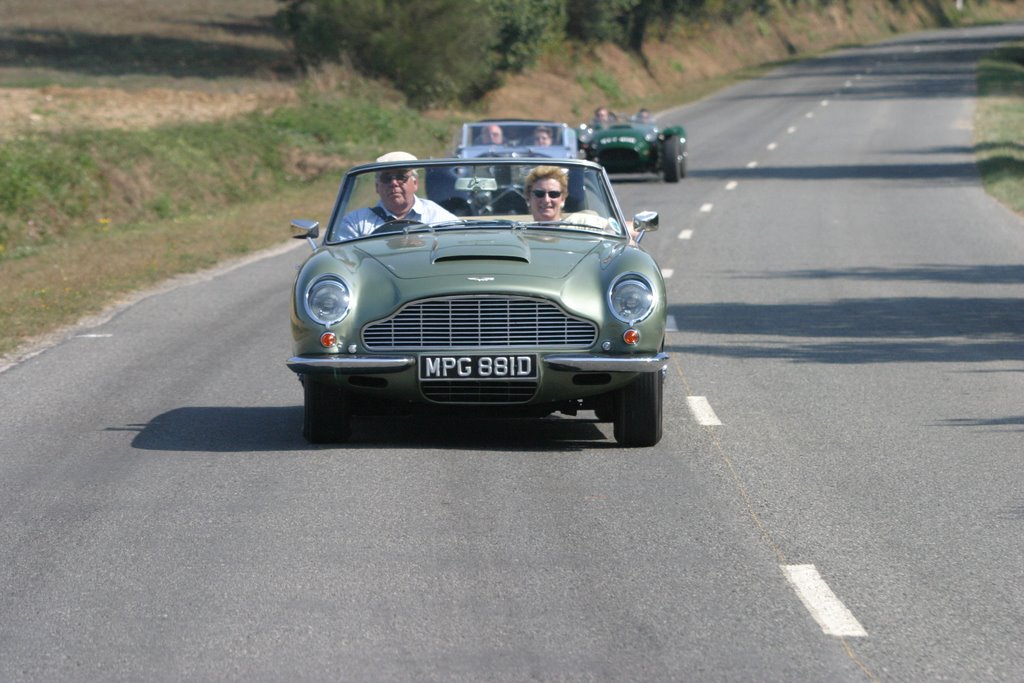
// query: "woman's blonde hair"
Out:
[545,172]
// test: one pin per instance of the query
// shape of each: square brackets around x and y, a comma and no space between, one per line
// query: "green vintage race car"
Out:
[475,307]
[636,145]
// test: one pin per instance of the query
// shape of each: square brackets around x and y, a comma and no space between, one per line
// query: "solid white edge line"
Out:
[702,412]
[826,609]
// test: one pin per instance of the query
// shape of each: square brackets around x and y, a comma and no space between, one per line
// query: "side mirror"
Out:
[307,230]
[645,221]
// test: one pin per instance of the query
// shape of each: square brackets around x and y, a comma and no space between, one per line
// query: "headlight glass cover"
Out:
[631,298]
[328,300]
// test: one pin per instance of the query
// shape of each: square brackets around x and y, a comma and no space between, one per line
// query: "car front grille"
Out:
[619,157]
[473,322]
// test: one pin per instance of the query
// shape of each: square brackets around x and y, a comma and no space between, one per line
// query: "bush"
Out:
[435,51]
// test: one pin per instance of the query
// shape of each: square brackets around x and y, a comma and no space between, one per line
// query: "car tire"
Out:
[638,411]
[672,159]
[326,414]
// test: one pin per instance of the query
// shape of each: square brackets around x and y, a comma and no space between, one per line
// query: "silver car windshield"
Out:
[475,196]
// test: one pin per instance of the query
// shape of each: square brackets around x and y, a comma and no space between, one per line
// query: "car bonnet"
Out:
[529,253]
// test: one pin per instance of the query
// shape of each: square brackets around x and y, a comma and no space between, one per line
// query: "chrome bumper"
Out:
[376,365]
[349,365]
[601,363]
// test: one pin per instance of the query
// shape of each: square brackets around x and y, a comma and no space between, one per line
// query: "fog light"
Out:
[631,337]
[328,339]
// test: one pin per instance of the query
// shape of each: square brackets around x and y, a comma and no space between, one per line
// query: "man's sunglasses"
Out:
[553,194]
[400,177]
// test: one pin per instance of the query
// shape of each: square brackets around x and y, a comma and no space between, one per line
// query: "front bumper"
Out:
[377,365]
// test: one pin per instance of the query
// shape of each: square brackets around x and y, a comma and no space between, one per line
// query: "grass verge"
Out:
[999,125]
[95,215]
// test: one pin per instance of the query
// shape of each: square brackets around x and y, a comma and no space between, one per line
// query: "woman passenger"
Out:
[546,190]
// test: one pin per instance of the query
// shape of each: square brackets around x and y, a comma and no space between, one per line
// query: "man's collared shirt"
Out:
[364,221]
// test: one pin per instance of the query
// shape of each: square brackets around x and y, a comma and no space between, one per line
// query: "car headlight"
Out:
[631,298]
[328,300]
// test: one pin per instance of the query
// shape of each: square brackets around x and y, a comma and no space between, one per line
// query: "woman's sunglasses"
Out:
[554,194]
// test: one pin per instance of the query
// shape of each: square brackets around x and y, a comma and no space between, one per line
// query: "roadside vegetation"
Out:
[999,125]
[89,215]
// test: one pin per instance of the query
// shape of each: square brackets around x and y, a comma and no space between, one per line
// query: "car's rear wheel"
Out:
[638,413]
[672,162]
[326,417]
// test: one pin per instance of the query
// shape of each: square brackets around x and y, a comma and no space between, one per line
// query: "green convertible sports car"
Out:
[495,287]
[636,144]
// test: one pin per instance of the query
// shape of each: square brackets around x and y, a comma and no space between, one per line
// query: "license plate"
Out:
[478,367]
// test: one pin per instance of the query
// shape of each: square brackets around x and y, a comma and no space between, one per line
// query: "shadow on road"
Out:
[886,330]
[278,429]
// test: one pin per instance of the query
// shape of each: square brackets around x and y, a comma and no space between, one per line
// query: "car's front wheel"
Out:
[326,418]
[672,160]
[638,413]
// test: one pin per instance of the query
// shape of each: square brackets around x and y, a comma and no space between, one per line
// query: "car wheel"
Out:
[326,417]
[638,410]
[671,156]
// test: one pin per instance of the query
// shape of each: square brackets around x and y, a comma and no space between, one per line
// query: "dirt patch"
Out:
[58,108]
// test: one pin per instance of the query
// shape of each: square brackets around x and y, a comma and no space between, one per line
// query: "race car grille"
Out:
[478,392]
[479,322]
[618,156]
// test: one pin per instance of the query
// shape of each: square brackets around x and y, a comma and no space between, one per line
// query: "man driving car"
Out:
[396,188]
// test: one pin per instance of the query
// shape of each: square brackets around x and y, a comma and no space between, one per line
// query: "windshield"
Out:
[515,134]
[458,196]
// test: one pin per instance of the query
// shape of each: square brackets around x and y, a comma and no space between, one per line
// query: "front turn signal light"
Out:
[328,339]
[631,337]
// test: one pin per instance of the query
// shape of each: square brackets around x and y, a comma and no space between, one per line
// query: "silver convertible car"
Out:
[511,288]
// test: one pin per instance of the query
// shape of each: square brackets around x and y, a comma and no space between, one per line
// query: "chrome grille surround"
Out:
[479,322]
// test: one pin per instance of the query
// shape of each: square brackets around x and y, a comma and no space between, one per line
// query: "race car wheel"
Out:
[672,160]
[326,416]
[638,411]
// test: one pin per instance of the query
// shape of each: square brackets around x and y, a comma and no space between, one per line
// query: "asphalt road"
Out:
[839,494]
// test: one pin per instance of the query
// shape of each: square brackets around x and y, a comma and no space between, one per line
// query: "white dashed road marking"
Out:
[702,411]
[731,185]
[93,336]
[772,146]
[752,164]
[685,234]
[828,610]
[670,323]
[667,272]
[706,208]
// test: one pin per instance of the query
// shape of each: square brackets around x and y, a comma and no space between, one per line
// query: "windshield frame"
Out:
[591,194]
